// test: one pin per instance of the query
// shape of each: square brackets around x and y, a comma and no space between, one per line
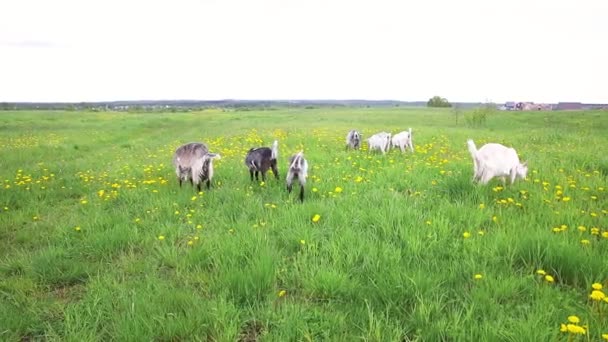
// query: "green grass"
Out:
[387,261]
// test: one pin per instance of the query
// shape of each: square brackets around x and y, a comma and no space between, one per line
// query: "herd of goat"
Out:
[193,161]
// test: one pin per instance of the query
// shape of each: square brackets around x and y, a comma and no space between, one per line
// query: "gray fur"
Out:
[353,139]
[194,162]
[298,168]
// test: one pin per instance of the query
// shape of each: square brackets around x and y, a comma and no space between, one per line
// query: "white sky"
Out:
[464,50]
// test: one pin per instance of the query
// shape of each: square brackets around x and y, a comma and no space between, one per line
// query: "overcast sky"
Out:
[464,50]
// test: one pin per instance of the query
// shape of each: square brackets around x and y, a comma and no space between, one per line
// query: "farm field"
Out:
[99,243]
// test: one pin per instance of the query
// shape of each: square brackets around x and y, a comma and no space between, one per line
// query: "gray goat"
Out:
[194,162]
[353,139]
[298,168]
[260,159]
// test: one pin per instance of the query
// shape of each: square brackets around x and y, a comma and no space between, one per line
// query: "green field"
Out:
[99,243]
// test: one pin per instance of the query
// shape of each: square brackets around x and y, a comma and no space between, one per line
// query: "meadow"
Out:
[99,243]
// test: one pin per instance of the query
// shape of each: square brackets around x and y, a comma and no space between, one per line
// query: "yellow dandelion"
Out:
[582,228]
[193,198]
[161,237]
[605,337]
[563,328]
[541,272]
[495,218]
[478,276]
[84,202]
[315,189]
[585,242]
[316,218]
[549,278]
[282,293]
[605,235]
[596,286]
[597,295]
[573,319]
[466,235]
[481,206]
[190,243]
[77,228]
[303,242]
[428,222]
[338,190]
[481,232]
[100,193]
[198,226]
[575,329]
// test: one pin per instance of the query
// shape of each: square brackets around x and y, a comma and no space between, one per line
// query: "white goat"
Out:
[496,160]
[298,167]
[353,139]
[379,141]
[194,162]
[403,140]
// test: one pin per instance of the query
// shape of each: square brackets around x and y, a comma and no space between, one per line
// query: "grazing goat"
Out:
[194,162]
[496,160]
[298,167]
[353,139]
[379,141]
[403,140]
[260,159]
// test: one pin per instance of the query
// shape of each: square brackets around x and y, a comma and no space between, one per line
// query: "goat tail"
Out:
[295,164]
[472,148]
[197,171]
[275,150]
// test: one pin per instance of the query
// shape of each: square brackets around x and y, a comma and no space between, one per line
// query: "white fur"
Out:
[275,150]
[496,160]
[403,140]
[379,141]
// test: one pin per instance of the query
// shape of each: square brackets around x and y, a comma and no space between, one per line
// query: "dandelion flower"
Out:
[478,276]
[549,278]
[575,329]
[316,218]
[596,286]
[84,202]
[495,218]
[597,295]
[585,242]
[563,328]
[190,243]
[605,337]
[338,190]
[481,206]
[161,237]
[541,272]
[466,235]
[574,319]
[77,228]
[582,228]
[282,293]
[198,226]
[303,242]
